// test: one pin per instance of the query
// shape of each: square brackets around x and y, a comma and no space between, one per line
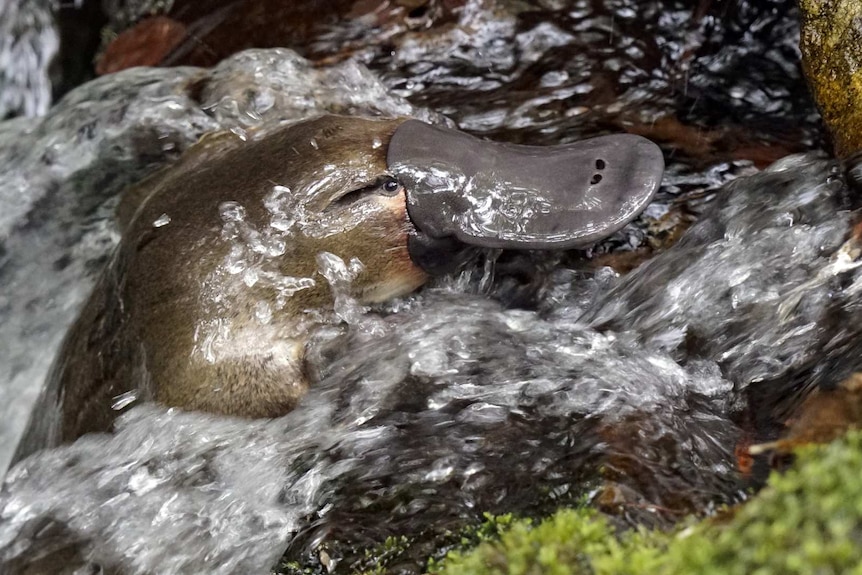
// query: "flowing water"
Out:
[28,44]
[493,391]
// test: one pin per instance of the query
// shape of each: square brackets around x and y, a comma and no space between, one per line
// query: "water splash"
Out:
[340,275]
[762,249]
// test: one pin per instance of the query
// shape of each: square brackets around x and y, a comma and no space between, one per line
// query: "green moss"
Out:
[808,520]
[570,542]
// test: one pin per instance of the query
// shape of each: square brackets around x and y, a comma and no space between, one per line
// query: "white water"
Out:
[28,44]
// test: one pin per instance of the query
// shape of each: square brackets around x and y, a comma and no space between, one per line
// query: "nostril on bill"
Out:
[600,165]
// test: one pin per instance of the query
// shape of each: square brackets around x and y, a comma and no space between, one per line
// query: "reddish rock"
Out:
[715,145]
[147,43]
[824,416]
[324,31]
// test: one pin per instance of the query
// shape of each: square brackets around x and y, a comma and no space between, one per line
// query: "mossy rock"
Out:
[831,44]
[807,520]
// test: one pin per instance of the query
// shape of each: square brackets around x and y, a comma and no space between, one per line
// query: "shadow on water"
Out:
[514,387]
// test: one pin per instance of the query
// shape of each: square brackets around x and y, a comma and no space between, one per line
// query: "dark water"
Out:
[507,388]
[561,70]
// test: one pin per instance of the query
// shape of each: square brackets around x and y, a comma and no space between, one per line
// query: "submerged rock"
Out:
[147,44]
[185,32]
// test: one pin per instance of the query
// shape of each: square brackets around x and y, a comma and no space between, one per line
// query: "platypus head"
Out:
[365,205]
[280,219]
[228,259]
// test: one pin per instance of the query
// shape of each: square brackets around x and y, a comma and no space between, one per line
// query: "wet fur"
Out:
[139,331]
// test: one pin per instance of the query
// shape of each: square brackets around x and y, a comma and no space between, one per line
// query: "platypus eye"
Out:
[383,186]
[389,185]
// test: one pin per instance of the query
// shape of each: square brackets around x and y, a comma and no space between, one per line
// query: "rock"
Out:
[831,44]
[145,44]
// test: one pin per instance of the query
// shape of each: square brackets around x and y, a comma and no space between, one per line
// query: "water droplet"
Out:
[231,211]
[250,277]
[236,260]
[274,247]
[355,266]
[553,79]
[263,312]
[277,199]
[280,203]
[282,224]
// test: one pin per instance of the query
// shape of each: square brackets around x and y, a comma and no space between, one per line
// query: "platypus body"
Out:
[230,258]
[210,296]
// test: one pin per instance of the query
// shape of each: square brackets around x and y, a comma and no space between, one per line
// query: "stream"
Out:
[489,391]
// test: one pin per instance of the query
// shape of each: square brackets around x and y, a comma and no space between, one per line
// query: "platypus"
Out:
[228,258]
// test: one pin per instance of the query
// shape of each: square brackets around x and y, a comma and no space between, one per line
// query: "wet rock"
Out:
[202,34]
[643,476]
[706,146]
[662,233]
[123,14]
[81,24]
[825,415]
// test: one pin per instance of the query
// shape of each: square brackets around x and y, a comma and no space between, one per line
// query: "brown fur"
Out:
[146,327]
